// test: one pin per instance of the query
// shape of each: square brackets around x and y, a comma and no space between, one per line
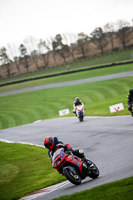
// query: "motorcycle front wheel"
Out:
[93,171]
[81,119]
[72,177]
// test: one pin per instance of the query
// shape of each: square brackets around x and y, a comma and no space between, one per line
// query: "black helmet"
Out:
[131,91]
[77,99]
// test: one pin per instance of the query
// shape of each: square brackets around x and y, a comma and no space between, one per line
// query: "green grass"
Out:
[24,169]
[114,57]
[69,77]
[45,104]
[119,190]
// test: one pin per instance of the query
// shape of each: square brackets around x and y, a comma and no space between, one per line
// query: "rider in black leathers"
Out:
[76,103]
[130,99]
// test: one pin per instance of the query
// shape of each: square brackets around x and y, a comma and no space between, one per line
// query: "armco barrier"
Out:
[63,73]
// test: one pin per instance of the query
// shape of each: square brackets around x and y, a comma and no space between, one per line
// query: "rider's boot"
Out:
[87,162]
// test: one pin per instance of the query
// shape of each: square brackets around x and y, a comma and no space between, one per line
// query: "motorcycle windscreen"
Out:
[59,153]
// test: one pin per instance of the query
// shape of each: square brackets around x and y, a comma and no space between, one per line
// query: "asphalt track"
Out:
[75,82]
[108,141]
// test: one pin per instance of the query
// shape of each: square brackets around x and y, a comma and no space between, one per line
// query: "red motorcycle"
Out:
[72,167]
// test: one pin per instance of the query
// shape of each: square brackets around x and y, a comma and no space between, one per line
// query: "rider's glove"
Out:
[68,151]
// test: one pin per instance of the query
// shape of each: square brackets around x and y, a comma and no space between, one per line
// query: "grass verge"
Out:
[119,190]
[28,107]
[114,57]
[24,169]
[69,77]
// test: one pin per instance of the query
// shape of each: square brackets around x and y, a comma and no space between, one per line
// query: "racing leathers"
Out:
[130,99]
[67,148]
[76,103]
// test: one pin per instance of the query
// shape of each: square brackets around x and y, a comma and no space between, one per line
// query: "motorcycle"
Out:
[80,112]
[72,167]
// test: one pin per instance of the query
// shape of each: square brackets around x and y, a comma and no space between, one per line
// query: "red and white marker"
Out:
[116,107]
[64,112]
[44,191]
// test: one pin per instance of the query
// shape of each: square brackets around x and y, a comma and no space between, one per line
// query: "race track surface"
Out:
[107,141]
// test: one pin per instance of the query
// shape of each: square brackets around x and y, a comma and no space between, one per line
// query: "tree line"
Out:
[63,49]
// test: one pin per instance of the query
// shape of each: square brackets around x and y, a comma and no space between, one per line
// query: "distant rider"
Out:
[52,143]
[76,103]
[130,99]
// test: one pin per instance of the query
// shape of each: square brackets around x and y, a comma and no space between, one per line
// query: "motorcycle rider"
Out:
[130,99]
[76,103]
[52,143]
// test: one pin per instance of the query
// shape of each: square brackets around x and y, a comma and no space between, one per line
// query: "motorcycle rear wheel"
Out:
[73,178]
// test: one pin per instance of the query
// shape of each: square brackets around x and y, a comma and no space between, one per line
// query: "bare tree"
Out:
[123,32]
[24,56]
[5,60]
[64,52]
[54,50]
[44,49]
[14,57]
[0,71]
[60,48]
[82,44]
[98,37]
[109,30]
[31,44]
[71,40]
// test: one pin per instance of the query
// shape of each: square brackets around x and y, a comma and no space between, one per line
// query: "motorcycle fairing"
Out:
[61,160]
[58,156]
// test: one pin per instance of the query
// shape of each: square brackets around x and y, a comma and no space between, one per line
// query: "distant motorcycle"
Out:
[72,167]
[80,112]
